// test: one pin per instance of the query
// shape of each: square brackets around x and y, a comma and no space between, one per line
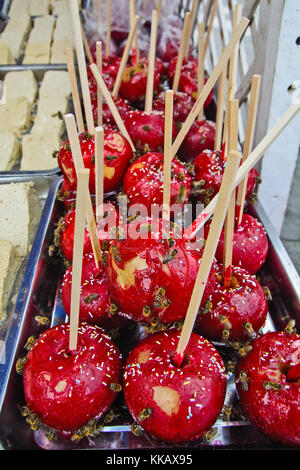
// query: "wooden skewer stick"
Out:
[82,66]
[245,167]
[210,25]
[190,29]
[233,67]
[99,172]
[208,255]
[250,128]
[230,217]
[167,153]
[81,202]
[132,15]
[108,29]
[79,165]
[125,57]
[151,62]
[227,51]
[111,104]
[86,45]
[220,109]
[181,51]
[200,65]
[74,89]
[99,93]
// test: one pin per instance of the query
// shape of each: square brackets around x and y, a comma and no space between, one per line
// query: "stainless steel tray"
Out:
[40,294]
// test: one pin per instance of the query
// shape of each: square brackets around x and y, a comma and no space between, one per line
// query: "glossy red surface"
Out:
[117,154]
[68,388]
[270,397]
[184,402]
[200,137]
[209,168]
[250,245]
[144,181]
[146,130]
[142,274]
[241,303]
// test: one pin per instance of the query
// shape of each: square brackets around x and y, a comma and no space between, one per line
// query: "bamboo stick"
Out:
[151,62]
[82,65]
[74,89]
[81,202]
[250,128]
[208,255]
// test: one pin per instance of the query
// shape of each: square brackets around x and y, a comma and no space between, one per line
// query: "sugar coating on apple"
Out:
[66,389]
[170,403]
[234,313]
[268,385]
[148,273]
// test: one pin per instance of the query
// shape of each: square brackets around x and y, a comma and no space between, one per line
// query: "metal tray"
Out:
[40,294]
[41,185]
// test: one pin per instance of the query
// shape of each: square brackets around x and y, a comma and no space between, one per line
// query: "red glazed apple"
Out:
[188,80]
[66,389]
[67,236]
[182,105]
[146,130]
[143,181]
[268,385]
[150,275]
[170,403]
[250,244]
[117,154]
[105,230]
[200,137]
[134,81]
[94,298]
[234,313]
[122,105]
[209,168]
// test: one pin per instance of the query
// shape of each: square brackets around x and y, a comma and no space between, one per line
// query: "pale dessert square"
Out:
[10,151]
[9,264]
[18,7]
[20,212]
[6,57]
[37,151]
[39,7]
[50,114]
[15,116]
[21,84]
[55,82]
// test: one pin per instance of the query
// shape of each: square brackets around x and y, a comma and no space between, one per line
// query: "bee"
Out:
[115,387]
[243,378]
[115,254]
[209,435]
[113,308]
[158,297]
[268,385]
[20,365]
[144,414]
[224,320]
[146,311]
[249,329]
[169,256]
[29,343]
[42,321]
[136,429]
[289,329]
